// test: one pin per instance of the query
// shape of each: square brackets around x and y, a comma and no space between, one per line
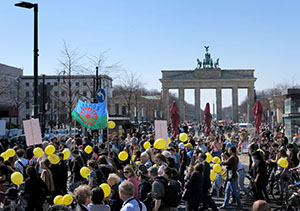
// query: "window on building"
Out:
[55,83]
[56,94]
[27,94]
[55,105]
[27,105]
[84,83]
[27,84]
[117,109]
[123,110]
[48,83]
[84,93]
[77,83]
[91,83]
[63,93]
[27,116]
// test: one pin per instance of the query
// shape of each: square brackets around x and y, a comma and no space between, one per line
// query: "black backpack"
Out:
[173,193]
[100,177]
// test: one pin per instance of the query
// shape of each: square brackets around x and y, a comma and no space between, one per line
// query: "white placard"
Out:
[2,127]
[32,132]
[161,130]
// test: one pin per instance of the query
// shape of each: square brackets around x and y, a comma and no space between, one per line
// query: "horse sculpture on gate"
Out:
[207,62]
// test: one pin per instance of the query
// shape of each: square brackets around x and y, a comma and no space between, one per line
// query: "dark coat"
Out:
[194,188]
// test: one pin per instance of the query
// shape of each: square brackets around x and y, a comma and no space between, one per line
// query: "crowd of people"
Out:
[155,179]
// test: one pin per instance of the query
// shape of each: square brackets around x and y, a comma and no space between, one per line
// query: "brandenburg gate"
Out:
[208,75]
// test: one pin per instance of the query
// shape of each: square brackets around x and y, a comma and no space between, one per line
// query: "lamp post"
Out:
[43,106]
[29,5]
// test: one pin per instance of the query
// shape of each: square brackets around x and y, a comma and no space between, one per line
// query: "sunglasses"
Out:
[126,172]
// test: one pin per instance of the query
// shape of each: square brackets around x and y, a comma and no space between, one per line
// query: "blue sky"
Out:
[148,36]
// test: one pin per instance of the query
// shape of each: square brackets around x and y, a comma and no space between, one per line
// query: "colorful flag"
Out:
[91,115]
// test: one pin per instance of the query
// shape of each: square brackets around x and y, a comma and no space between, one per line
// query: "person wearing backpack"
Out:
[165,193]
[21,163]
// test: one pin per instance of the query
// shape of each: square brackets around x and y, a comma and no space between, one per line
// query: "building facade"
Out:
[56,94]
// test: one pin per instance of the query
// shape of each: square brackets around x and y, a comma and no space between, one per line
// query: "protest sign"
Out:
[32,132]
[161,130]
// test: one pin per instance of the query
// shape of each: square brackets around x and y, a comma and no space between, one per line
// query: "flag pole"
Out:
[107,125]
[75,118]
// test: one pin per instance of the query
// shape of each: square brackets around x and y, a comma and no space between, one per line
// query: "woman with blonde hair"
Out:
[115,202]
[46,175]
[131,177]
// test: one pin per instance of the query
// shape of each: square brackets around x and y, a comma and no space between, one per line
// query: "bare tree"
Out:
[129,91]
[70,66]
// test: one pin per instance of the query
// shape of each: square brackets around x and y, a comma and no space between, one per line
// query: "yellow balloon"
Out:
[54,159]
[123,156]
[66,153]
[137,162]
[208,157]
[212,175]
[85,172]
[282,162]
[160,143]
[111,124]
[88,149]
[183,137]
[10,152]
[67,199]
[38,152]
[260,150]
[58,200]
[147,145]
[5,156]
[50,149]
[217,168]
[17,178]
[216,160]
[106,189]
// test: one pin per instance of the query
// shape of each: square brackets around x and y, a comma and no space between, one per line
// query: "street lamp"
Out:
[29,5]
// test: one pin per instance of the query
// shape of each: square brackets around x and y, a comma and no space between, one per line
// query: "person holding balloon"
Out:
[35,190]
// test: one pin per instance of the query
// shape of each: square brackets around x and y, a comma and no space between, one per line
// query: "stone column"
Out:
[235,109]
[250,104]
[166,104]
[219,103]
[197,104]
[181,104]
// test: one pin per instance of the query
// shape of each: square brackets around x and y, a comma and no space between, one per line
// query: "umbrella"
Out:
[257,111]
[207,119]
[175,119]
